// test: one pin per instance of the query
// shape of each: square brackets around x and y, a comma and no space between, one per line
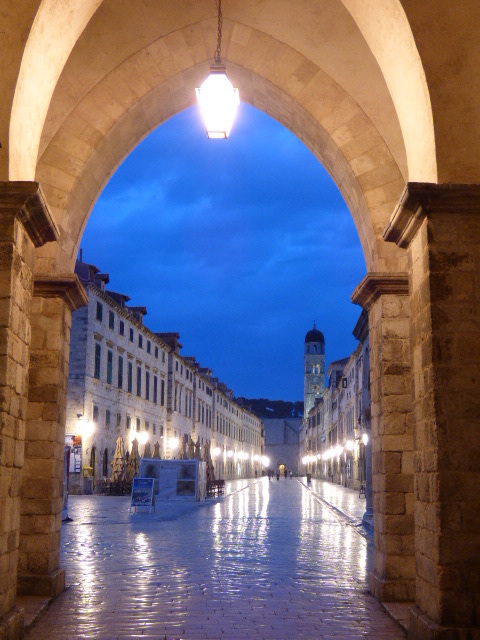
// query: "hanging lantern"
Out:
[217,97]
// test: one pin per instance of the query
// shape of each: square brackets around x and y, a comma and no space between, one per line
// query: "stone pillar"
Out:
[25,223]
[54,299]
[385,297]
[361,333]
[440,225]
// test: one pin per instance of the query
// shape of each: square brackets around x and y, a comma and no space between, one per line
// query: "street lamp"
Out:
[217,97]
[142,437]
[85,426]
[174,442]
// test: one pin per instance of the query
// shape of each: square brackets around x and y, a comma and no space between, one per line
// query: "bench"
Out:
[215,488]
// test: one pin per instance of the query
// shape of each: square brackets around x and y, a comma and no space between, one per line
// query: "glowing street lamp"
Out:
[142,437]
[217,97]
[85,426]
[350,445]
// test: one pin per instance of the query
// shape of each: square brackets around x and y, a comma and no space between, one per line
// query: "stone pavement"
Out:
[268,561]
[347,501]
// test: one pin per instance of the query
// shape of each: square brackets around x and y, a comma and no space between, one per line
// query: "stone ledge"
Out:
[12,625]
[33,607]
[385,590]
[421,627]
[50,585]
[400,612]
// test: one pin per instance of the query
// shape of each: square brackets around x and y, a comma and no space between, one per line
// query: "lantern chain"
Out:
[219,38]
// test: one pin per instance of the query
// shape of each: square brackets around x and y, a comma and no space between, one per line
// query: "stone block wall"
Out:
[42,486]
[16,286]
[385,296]
[445,267]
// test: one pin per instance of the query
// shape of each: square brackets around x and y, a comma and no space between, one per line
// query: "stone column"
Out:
[385,297]
[440,225]
[361,334]
[54,299]
[25,223]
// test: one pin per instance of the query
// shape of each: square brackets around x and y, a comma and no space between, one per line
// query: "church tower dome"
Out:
[314,368]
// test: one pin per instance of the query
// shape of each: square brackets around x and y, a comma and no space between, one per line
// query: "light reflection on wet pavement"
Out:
[267,561]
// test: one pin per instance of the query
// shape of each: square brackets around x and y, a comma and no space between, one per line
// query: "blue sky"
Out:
[238,244]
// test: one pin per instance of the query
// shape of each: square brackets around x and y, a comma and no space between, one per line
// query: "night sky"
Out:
[238,245]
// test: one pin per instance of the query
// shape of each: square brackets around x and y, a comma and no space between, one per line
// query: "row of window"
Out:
[136,424]
[121,331]
[140,386]
[228,429]
[189,376]
[205,414]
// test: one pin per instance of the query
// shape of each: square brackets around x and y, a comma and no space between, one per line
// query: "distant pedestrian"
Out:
[256,473]
[291,475]
[285,472]
[278,474]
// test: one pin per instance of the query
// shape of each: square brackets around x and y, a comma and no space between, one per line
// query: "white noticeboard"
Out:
[175,479]
[142,494]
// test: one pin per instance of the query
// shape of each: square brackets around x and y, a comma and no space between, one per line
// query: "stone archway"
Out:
[364,87]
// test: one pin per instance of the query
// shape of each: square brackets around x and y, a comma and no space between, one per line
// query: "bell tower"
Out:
[314,368]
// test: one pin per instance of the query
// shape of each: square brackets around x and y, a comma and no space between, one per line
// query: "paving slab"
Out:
[266,561]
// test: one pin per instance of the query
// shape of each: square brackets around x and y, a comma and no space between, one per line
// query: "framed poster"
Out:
[142,494]
[175,479]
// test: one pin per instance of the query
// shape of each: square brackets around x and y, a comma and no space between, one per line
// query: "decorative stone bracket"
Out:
[421,199]
[26,201]
[68,287]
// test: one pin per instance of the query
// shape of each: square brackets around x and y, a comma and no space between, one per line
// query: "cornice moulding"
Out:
[421,199]
[68,288]
[375,285]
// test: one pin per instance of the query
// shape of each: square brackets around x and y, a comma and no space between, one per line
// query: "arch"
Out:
[73,172]
[356,81]
[145,71]
[54,31]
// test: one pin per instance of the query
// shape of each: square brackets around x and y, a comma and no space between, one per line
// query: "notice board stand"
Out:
[143,496]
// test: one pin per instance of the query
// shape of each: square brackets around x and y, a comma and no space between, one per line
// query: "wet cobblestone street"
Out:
[268,561]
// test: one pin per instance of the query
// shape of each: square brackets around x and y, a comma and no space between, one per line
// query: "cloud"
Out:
[238,244]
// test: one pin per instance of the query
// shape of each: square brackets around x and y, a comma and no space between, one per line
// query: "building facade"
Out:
[126,380]
[282,443]
[335,433]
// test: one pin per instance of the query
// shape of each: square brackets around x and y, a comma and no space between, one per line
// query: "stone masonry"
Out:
[25,222]
[441,228]
[385,297]
[42,484]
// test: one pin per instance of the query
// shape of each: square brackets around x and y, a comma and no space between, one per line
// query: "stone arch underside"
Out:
[83,144]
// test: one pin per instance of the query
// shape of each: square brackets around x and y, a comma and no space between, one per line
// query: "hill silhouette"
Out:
[264,408]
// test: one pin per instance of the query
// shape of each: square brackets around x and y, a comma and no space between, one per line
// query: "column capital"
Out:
[420,199]
[375,285]
[67,287]
[25,200]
